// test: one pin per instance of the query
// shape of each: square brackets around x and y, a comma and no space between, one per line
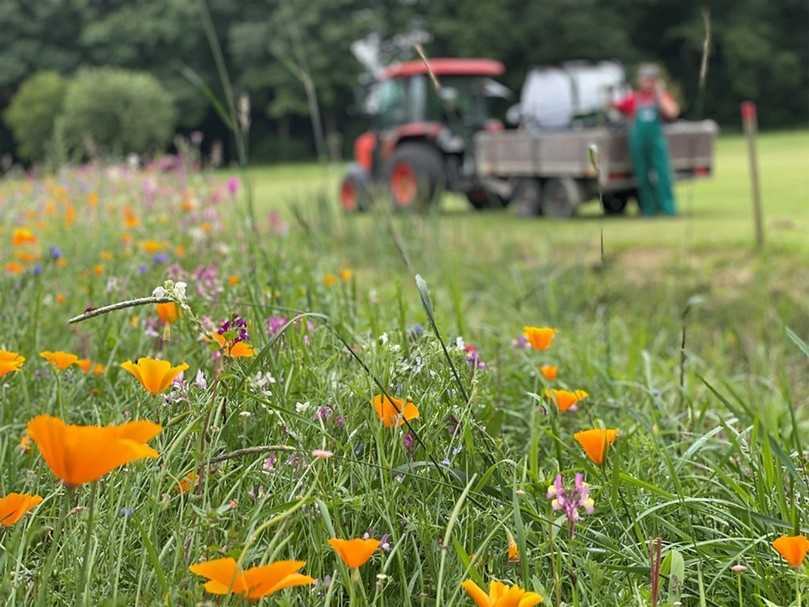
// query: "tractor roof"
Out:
[446,67]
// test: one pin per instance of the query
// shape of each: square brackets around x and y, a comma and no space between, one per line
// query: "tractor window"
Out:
[464,100]
[388,103]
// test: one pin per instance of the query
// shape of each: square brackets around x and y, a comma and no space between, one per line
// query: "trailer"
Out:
[552,172]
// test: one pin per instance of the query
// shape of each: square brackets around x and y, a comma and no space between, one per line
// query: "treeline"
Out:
[275,49]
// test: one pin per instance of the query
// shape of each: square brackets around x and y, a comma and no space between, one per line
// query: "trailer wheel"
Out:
[415,176]
[560,197]
[614,203]
[482,199]
[527,199]
[354,196]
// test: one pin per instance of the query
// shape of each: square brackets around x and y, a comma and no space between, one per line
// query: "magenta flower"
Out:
[233,185]
[275,323]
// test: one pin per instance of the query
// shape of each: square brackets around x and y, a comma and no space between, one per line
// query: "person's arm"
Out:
[625,105]
[668,106]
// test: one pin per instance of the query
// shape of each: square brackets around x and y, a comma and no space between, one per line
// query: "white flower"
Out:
[160,293]
[200,381]
[302,407]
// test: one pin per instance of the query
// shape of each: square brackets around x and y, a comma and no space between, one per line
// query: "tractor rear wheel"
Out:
[527,199]
[560,197]
[415,176]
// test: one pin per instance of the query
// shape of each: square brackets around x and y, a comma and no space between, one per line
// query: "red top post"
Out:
[749,111]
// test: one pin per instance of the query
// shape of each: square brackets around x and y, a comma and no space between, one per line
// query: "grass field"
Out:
[687,342]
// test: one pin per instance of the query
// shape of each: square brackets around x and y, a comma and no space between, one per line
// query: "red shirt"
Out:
[629,104]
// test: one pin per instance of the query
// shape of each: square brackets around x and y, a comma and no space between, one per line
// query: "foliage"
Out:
[33,113]
[116,111]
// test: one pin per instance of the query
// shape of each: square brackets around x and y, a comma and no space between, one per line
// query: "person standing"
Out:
[647,108]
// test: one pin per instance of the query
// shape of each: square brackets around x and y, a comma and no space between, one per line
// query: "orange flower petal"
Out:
[10,362]
[354,553]
[224,576]
[595,442]
[268,579]
[153,374]
[540,338]
[393,412]
[793,548]
[15,505]
[476,593]
[60,360]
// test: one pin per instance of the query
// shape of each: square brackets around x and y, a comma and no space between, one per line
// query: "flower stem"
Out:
[798,588]
[739,588]
[56,537]
[81,588]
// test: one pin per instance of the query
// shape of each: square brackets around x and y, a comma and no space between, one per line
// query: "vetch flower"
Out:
[596,442]
[226,577]
[793,548]
[154,375]
[354,553]
[83,454]
[540,338]
[240,349]
[10,362]
[570,501]
[566,400]
[14,505]
[501,595]
[60,360]
[393,412]
[549,372]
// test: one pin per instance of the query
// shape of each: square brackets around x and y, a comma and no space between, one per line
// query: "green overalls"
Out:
[650,160]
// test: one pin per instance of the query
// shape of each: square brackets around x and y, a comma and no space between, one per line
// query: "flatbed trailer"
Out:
[550,172]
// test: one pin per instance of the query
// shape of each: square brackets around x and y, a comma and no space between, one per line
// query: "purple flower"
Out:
[409,442]
[160,258]
[233,185]
[269,463]
[473,357]
[520,343]
[569,501]
[275,323]
[323,413]
[206,278]
[54,252]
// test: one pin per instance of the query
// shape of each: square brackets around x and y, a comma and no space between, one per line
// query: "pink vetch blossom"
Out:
[206,279]
[275,323]
[569,501]
[278,226]
[232,185]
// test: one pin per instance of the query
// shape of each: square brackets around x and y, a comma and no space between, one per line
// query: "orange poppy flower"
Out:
[10,362]
[86,365]
[226,577]
[354,553]
[241,349]
[513,550]
[329,279]
[566,399]
[394,411]
[595,442]
[501,595]
[21,236]
[233,280]
[130,219]
[153,374]
[793,548]
[60,360]
[152,246]
[14,505]
[549,372]
[188,482]
[540,338]
[13,267]
[25,443]
[83,454]
[167,312]
[346,274]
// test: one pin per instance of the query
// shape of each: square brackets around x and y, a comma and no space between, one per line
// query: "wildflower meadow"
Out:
[213,392]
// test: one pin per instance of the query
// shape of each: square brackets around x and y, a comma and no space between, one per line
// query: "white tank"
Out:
[553,96]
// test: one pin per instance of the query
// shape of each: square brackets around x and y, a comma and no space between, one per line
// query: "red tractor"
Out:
[422,136]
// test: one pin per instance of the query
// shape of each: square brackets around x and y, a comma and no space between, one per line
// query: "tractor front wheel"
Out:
[415,176]
[354,196]
[615,203]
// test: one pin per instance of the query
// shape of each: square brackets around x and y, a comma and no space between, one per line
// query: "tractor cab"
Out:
[421,133]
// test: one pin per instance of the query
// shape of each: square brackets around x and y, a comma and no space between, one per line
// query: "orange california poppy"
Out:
[226,577]
[60,360]
[13,267]
[188,482]
[540,338]
[241,349]
[354,553]
[14,505]
[394,411]
[167,312]
[86,365]
[154,375]
[793,548]
[549,372]
[329,279]
[513,550]
[501,595]
[346,274]
[566,399]
[595,442]
[83,454]
[21,236]
[233,280]
[25,443]
[10,362]
[130,219]
[152,246]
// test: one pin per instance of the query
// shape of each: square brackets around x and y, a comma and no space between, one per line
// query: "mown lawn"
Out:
[688,343]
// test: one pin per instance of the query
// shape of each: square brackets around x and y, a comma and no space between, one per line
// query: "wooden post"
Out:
[750,124]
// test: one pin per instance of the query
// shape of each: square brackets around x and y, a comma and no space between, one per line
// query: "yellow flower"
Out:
[354,553]
[501,595]
[152,246]
[154,375]
[540,338]
[60,360]
[329,279]
[10,362]
[233,280]
[21,236]
[346,274]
